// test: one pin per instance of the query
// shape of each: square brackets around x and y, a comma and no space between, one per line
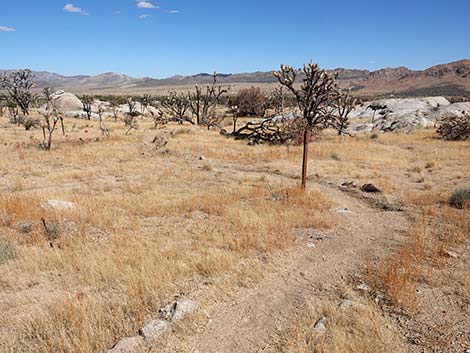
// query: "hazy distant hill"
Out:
[446,79]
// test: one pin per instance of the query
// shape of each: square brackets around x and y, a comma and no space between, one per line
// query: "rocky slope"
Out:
[450,79]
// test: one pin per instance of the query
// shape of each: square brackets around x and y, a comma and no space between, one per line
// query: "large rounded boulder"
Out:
[66,102]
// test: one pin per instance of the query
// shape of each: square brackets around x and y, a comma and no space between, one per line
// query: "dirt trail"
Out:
[245,323]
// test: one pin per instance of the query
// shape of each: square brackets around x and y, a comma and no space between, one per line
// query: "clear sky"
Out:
[166,37]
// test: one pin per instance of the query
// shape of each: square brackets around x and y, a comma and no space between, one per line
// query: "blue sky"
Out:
[166,37]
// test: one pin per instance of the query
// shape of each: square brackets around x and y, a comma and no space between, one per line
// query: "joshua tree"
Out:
[131,104]
[375,107]
[13,111]
[50,120]
[159,119]
[276,100]
[344,106]
[130,118]
[315,95]
[201,104]
[177,104]
[115,109]
[103,128]
[144,102]
[3,99]
[235,114]
[18,86]
[87,102]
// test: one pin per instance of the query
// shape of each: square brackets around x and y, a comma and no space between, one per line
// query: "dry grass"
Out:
[148,226]
[358,328]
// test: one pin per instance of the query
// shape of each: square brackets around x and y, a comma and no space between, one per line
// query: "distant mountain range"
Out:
[446,79]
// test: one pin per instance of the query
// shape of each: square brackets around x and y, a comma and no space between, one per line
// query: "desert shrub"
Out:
[6,252]
[251,101]
[455,128]
[460,198]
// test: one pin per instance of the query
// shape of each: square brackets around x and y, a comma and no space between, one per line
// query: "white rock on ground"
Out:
[65,102]
[398,114]
[153,328]
[320,325]
[80,114]
[456,109]
[128,345]
[177,310]
[60,204]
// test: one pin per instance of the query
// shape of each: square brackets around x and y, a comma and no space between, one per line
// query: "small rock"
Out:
[311,245]
[346,304]
[348,185]
[26,228]
[153,328]
[342,210]
[364,287]
[201,158]
[450,253]
[183,308]
[128,345]
[177,310]
[320,325]
[370,188]
[60,205]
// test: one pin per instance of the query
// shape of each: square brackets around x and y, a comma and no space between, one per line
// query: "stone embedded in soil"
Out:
[177,310]
[348,185]
[60,204]
[320,325]
[363,287]
[153,328]
[183,308]
[370,188]
[342,210]
[128,345]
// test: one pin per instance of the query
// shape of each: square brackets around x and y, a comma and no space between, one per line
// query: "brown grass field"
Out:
[211,218]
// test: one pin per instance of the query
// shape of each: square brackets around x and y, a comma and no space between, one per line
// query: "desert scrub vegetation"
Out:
[139,232]
[460,198]
[455,128]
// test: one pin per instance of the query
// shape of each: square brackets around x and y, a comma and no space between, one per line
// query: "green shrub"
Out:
[7,252]
[460,198]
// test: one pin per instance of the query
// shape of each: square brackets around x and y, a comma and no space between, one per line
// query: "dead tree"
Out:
[87,102]
[275,130]
[177,105]
[201,104]
[18,86]
[315,95]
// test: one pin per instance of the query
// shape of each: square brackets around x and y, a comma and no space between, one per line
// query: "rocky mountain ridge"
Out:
[445,79]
